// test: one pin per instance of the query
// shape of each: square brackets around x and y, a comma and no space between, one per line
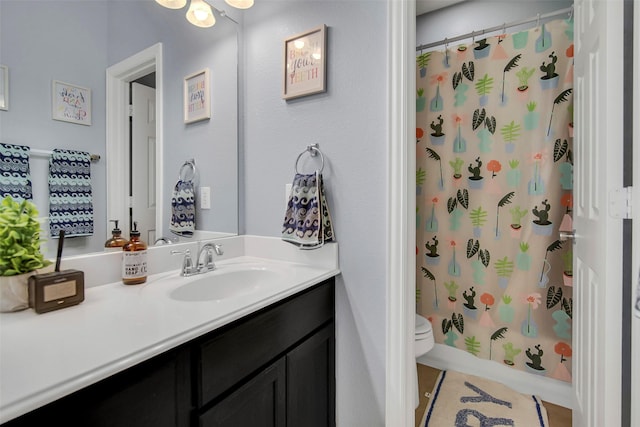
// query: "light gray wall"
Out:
[75,42]
[350,124]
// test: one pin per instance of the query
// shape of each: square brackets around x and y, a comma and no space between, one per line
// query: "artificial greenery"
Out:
[19,238]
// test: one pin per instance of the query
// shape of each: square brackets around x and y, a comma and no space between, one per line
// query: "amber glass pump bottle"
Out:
[116,242]
[134,259]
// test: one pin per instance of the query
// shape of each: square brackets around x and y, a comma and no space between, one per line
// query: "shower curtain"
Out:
[494,189]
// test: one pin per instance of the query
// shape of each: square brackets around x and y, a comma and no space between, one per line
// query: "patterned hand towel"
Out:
[15,179]
[307,222]
[183,208]
[70,199]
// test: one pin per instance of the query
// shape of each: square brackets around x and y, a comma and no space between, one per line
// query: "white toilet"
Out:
[423,343]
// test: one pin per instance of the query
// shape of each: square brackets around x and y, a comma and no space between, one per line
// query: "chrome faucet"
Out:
[188,269]
[205,257]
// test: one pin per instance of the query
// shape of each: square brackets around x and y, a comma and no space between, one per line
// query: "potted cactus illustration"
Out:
[423,61]
[529,327]
[506,200]
[535,364]
[496,335]
[510,133]
[513,174]
[475,180]
[504,269]
[435,156]
[480,263]
[523,75]
[483,88]
[550,78]
[451,287]
[516,217]
[478,219]
[542,226]
[513,63]
[523,260]
[567,274]
[421,101]
[488,123]
[420,178]
[456,321]
[437,137]
[506,310]
[482,49]
[510,353]
[532,117]
[469,306]
[426,273]
[432,256]
[457,164]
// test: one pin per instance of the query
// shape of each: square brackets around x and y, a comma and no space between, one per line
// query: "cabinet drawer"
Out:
[250,343]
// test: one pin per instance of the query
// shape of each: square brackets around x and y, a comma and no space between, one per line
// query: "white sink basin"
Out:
[225,283]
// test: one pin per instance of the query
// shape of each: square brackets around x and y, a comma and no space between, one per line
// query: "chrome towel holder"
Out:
[313,150]
[183,174]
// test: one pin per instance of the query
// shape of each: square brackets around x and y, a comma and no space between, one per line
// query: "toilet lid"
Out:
[423,326]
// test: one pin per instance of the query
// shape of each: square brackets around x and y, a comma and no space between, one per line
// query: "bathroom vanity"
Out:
[262,356]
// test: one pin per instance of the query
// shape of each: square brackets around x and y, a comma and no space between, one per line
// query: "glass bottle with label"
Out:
[134,259]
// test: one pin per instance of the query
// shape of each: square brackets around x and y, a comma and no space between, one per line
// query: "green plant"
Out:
[423,59]
[19,238]
[478,217]
[504,267]
[523,75]
[516,216]
[567,258]
[437,127]
[550,68]
[484,85]
[531,106]
[420,176]
[510,132]
[457,166]
[451,287]
[524,247]
[506,299]
[514,163]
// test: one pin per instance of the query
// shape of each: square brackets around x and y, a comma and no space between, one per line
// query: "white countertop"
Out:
[44,357]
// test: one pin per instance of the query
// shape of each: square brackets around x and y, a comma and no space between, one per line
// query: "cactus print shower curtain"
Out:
[494,189]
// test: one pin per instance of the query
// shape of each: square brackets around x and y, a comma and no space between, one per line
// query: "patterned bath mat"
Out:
[460,400]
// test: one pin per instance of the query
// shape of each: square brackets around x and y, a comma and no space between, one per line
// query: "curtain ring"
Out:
[571,13]
[504,28]
[538,20]
[473,37]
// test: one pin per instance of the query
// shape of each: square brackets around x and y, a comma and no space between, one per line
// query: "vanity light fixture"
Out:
[240,4]
[172,4]
[200,14]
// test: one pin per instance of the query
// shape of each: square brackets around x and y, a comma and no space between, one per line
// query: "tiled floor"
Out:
[558,416]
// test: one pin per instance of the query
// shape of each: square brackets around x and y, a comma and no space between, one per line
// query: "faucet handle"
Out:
[218,249]
[187,262]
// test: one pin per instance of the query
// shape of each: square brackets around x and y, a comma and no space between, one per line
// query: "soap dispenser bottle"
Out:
[134,259]
[116,242]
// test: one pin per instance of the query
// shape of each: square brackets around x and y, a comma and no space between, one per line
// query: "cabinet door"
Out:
[258,403]
[311,381]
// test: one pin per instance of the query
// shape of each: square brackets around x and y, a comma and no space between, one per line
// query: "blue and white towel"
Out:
[307,222]
[183,208]
[70,194]
[15,178]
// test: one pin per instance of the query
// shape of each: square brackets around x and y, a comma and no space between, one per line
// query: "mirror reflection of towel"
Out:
[183,208]
[15,179]
[307,222]
[70,198]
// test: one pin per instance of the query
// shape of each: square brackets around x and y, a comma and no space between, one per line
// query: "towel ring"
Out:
[313,151]
[191,165]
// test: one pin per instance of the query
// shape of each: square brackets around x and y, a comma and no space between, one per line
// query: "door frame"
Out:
[117,133]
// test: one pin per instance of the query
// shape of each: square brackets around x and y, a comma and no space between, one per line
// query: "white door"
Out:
[598,245]
[143,161]
[635,319]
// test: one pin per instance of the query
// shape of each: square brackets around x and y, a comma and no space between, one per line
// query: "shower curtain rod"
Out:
[473,34]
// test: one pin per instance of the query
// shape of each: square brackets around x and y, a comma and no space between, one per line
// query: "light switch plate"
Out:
[205,197]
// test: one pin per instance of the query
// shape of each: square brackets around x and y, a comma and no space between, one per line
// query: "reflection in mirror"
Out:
[76,42]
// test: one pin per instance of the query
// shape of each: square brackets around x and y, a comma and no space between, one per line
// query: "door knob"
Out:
[564,235]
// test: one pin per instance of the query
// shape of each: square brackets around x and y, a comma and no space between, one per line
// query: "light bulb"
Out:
[240,4]
[172,4]
[200,14]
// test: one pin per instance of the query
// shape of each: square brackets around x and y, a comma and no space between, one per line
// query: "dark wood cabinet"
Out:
[275,367]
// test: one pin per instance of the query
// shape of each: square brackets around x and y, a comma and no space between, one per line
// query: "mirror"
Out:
[77,42]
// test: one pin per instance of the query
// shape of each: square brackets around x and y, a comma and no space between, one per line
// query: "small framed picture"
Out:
[197,97]
[71,103]
[4,87]
[305,63]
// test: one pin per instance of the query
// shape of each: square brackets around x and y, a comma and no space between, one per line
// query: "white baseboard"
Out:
[548,389]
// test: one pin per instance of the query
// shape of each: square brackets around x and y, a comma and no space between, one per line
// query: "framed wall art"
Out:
[305,63]
[4,87]
[71,103]
[197,97]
